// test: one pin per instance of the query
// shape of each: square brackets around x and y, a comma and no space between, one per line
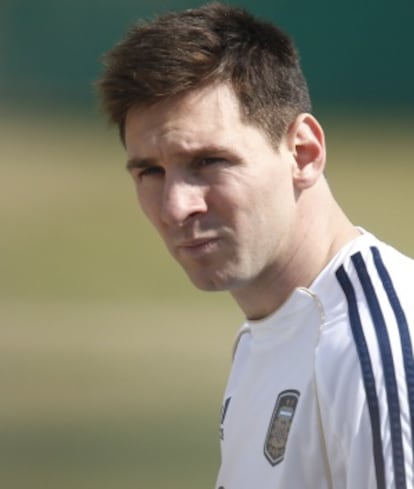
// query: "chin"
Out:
[215,282]
[208,285]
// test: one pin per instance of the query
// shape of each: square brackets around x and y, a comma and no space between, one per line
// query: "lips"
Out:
[198,246]
[194,243]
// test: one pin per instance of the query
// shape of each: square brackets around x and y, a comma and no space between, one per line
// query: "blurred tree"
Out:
[353,53]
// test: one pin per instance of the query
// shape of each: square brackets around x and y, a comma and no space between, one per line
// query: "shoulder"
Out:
[373,269]
[369,313]
[376,283]
[364,364]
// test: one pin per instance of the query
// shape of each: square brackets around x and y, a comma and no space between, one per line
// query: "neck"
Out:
[320,231]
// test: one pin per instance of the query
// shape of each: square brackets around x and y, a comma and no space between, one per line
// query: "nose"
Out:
[181,200]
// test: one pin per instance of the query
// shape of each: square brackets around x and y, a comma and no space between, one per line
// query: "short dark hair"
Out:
[181,51]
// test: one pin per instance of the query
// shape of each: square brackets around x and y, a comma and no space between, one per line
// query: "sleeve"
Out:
[367,401]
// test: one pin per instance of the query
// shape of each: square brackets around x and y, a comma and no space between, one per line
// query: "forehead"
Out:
[210,109]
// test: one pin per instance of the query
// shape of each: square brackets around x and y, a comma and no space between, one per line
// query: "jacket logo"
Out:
[278,431]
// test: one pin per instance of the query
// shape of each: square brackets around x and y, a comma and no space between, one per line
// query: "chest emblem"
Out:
[278,431]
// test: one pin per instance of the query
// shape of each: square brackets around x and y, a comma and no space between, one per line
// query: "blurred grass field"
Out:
[112,365]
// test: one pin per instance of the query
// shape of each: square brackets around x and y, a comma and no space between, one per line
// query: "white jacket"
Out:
[321,393]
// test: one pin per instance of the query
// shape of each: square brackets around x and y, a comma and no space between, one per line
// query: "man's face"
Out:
[217,191]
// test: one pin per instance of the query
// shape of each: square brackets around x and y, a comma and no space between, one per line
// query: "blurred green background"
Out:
[112,365]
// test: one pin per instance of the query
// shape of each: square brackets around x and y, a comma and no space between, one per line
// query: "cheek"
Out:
[150,205]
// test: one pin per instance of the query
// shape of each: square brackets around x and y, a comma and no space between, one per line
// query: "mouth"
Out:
[198,247]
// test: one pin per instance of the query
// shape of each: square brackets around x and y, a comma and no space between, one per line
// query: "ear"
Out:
[306,142]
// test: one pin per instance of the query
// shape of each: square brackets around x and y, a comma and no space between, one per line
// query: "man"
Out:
[228,164]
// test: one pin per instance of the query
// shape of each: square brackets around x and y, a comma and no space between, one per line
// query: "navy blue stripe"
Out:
[367,374]
[388,367]
[406,346]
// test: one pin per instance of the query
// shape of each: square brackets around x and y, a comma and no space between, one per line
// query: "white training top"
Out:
[321,393]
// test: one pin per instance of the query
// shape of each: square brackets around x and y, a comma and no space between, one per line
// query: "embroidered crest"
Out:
[277,434]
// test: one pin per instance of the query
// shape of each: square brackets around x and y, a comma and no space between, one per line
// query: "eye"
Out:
[149,171]
[208,161]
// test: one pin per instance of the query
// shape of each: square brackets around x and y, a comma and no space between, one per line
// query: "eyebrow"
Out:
[190,154]
[139,163]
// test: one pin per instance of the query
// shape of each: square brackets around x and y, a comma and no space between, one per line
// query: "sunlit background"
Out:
[112,365]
